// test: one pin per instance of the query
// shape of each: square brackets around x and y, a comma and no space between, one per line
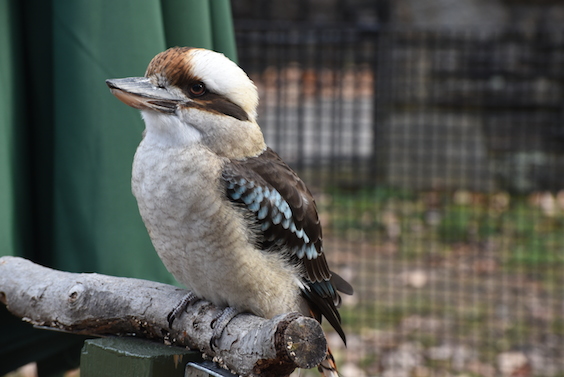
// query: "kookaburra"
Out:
[229,219]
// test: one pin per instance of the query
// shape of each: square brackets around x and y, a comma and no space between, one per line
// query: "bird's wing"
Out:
[286,217]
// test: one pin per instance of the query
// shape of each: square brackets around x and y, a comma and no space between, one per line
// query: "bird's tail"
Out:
[328,367]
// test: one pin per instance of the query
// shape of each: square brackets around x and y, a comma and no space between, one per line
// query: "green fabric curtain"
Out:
[66,143]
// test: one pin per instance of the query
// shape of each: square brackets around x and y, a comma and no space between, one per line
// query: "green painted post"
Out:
[130,357]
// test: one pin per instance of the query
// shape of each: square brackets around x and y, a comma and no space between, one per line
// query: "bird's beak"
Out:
[140,93]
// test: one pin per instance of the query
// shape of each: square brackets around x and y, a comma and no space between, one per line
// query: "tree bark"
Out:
[95,304]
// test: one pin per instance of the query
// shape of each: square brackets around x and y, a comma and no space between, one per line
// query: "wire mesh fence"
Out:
[436,160]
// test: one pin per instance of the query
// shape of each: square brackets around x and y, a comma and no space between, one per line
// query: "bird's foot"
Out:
[220,322]
[187,300]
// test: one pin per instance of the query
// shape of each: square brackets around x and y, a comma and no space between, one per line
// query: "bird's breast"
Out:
[177,191]
[175,183]
[202,239]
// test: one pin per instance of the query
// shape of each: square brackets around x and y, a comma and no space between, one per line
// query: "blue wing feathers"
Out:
[287,220]
[262,212]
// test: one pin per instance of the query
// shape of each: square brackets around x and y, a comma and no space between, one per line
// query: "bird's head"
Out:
[193,95]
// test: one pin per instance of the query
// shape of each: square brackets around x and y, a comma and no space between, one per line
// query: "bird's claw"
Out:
[187,300]
[213,343]
[219,323]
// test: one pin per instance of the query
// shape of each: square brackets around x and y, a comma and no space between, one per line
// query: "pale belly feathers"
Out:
[202,239]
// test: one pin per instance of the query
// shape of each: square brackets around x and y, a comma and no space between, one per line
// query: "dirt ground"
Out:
[462,315]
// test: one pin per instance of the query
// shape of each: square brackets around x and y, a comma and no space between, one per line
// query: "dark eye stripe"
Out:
[224,106]
[218,104]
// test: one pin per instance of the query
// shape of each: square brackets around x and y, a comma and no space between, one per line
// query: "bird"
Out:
[228,217]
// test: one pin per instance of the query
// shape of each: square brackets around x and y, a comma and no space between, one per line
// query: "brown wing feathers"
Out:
[287,217]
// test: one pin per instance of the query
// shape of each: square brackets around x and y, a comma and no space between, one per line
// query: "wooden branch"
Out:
[97,304]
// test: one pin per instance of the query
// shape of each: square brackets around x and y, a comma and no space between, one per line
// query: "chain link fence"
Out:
[436,159]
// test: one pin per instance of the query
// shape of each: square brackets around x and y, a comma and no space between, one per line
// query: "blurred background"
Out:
[431,133]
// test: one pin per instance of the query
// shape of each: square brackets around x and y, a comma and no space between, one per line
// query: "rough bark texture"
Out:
[96,304]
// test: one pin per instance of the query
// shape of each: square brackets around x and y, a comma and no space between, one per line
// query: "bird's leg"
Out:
[220,322]
[189,299]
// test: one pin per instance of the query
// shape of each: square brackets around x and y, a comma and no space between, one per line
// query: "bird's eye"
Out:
[198,89]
